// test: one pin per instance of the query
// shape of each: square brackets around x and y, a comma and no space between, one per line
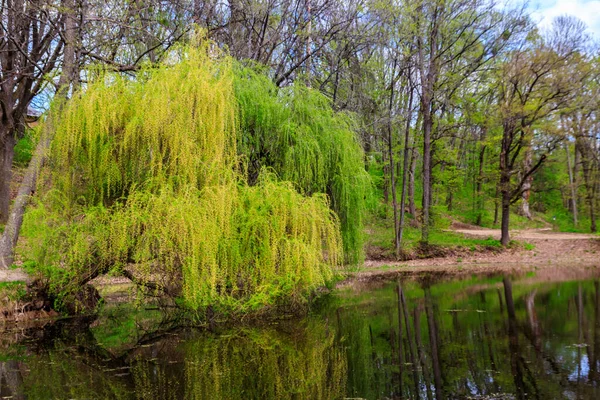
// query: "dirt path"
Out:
[574,253]
[526,234]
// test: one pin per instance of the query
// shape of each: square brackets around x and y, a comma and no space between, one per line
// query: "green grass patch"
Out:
[12,291]
[24,149]
[381,235]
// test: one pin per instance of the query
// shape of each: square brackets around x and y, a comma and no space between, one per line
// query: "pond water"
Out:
[487,338]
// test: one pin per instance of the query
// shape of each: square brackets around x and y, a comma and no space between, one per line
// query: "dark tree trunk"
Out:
[527,165]
[392,166]
[505,238]
[405,166]
[427,125]
[572,188]
[7,151]
[479,200]
[586,163]
[449,200]
[508,132]
[412,208]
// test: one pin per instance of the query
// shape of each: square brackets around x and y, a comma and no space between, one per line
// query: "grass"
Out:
[381,235]
[11,294]
[24,149]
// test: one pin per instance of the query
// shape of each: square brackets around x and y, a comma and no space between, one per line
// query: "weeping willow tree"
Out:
[295,132]
[144,179]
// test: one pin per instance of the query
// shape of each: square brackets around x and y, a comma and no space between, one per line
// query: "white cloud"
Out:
[544,11]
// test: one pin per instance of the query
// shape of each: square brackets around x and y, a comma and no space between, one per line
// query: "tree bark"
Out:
[412,208]
[7,151]
[527,164]
[573,199]
[405,166]
[505,237]
[586,163]
[504,188]
[392,166]
[427,125]
[479,188]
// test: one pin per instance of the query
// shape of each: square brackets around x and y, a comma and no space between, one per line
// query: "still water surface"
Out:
[486,338]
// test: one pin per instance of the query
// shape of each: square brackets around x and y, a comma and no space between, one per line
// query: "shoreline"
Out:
[569,255]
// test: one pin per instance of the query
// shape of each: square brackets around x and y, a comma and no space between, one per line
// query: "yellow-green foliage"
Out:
[144,173]
[295,131]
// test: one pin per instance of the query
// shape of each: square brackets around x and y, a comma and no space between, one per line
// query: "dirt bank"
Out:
[574,254]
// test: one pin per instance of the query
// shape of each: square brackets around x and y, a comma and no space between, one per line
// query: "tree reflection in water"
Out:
[480,338]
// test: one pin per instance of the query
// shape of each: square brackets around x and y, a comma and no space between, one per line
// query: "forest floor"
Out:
[568,255]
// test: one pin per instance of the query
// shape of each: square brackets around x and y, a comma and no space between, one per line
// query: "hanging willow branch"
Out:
[146,173]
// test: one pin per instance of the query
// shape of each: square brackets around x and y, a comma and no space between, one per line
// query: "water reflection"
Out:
[482,338]
[498,339]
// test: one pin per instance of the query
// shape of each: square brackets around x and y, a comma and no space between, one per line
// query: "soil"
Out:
[575,255]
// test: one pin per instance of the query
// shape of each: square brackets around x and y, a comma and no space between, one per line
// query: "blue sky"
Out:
[588,11]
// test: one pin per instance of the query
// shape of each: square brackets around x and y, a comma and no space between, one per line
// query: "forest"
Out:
[242,155]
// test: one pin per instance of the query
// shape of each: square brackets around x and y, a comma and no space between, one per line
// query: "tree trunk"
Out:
[479,200]
[527,164]
[586,163]
[392,166]
[386,179]
[7,151]
[505,238]
[573,198]
[449,200]
[394,197]
[427,125]
[505,166]
[405,165]
[412,208]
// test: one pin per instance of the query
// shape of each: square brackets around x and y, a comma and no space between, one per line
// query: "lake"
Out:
[488,338]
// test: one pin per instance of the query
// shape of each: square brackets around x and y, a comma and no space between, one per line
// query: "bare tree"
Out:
[30,47]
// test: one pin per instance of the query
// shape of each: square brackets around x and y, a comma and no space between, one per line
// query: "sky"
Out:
[544,11]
